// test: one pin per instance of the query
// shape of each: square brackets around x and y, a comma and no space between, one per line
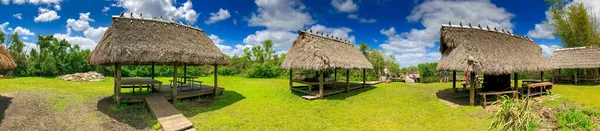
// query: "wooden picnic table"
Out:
[188,81]
[531,81]
[139,83]
[547,86]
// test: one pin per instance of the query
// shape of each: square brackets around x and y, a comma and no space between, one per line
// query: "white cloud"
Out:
[344,6]
[284,15]
[18,16]
[353,16]
[282,40]
[5,2]
[411,47]
[165,8]
[34,2]
[46,15]
[105,9]
[219,16]
[84,43]
[237,49]
[342,32]
[3,27]
[57,7]
[21,31]
[81,24]
[25,38]
[543,30]
[95,33]
[548,50]
[363,20]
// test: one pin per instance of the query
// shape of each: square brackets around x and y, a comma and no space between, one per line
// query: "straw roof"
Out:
[576,58]
[488,51]
[6,60]
[143,41]
[312,51]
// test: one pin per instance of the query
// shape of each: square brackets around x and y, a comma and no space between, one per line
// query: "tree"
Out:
[573,24]
[363,48]
[16,49]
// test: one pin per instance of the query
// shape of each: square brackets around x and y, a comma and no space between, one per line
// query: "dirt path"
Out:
[37,111]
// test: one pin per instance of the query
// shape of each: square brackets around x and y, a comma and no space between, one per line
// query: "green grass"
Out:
[268,104]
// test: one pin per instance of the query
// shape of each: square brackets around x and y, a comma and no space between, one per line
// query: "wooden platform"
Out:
[327,91]
[169,118]
[372,82]
[167,93]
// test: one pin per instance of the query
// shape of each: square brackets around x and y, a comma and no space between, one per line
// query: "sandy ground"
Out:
[37,111]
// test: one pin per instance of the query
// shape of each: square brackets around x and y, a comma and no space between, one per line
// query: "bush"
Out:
[429,79]
[263,70]
[226,71]
[514,116]
[574,119]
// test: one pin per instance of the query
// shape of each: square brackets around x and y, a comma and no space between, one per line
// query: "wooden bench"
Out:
[563,78]
[497,94]
[545,87]
[139,83]
[590,78]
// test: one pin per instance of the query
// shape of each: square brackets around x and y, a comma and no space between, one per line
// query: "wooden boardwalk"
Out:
[327,91]
[169,118]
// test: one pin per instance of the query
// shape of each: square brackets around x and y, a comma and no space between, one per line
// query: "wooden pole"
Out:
[291,83]
[575,79]
[516,81]
[153,90]
[184,73]
[347,80]
[364,78]
[542,76]
[118,83]
[216,80]
[321,84]
[334,77]
[453,79]
[472,91]
[174,83]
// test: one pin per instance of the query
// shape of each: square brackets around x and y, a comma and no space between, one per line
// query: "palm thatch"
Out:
[312,51]
[6,60]
[576,58]
[488,51]
[143,41]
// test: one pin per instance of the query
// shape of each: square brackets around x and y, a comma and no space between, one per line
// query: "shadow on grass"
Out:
[338,96]
[134,115]
[459,98]
[194,106]
[4,103]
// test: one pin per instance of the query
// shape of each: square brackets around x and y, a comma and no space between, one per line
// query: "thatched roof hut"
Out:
[311,51]
[143,41]
[576,58]
[6,60]
[488,51]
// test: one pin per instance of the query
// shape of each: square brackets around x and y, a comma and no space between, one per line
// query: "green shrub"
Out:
[429,79]
[514,116]
[574,119]
[263,70]
[226,71]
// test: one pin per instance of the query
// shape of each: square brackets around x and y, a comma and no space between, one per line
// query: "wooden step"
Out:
[169,118]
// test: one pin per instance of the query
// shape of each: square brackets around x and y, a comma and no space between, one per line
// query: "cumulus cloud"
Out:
[34,2]
[360,19]
[344,5]
[92,35]
[285,15]
[46,15]
[81,24]
[21,31]
[282,40]
[105,9]
[95,33]
[218,16]
[84,43]
[543,30]
[57,7]
[165,8]
[341,32]
[548,50]
[411,47]
[3,26]
[18,16]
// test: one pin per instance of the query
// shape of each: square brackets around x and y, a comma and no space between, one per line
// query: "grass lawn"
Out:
[268,104]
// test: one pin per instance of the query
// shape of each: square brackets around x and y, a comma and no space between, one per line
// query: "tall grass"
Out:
[574,119]
[513,116]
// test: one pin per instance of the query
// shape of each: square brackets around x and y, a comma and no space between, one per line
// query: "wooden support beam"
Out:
[118,83]
[216,80]
[516,80]
[542,76]
[575,79]
[291,75]
[334,77]
[174,83]
[153,71]
[184,73]
[364,78]
[347,80]
[472,83]
[453,79]
[321,84]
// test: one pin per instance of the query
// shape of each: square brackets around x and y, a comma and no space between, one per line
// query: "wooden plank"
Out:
[169,118]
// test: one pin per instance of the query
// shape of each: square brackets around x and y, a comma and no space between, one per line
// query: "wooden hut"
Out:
[138,40]
[576,58]
[6,60]
[492,52]
[318,52]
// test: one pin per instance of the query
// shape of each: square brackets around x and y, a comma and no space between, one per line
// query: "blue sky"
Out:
[408,29]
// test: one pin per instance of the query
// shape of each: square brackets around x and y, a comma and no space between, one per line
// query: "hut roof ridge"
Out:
[326,37]
[156,20]
[489,29]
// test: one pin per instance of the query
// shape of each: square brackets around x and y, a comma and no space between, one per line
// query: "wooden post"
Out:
[216,80]
[118,83]
[174,83]
[321,84]
[334,77]
[542,76]
[472,83]
[185,73]
[575,78]
[347,80]
[153,90]
[291,75]
[453,79]
[364,78]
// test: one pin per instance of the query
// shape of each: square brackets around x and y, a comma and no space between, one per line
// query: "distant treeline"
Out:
[53,57]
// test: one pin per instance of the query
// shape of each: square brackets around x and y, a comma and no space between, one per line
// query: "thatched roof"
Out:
[312,51]
[6,60]
[142,41]
[488,51]
[576,58]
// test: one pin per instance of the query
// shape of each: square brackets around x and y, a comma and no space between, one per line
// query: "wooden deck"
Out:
[169,118]
[327,90]
[167,93]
